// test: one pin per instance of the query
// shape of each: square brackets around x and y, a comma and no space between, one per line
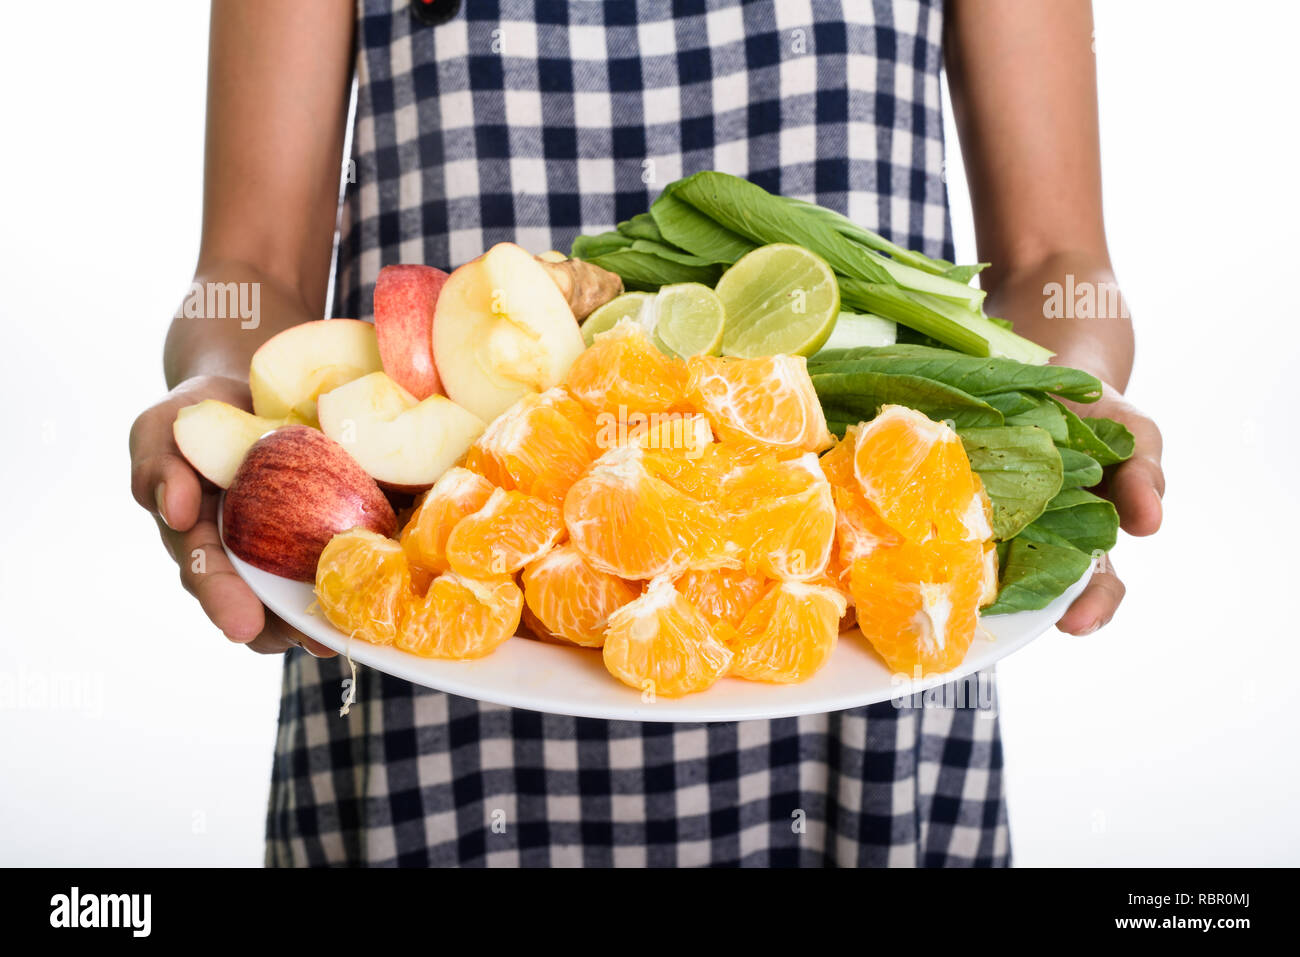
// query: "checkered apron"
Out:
[533,121]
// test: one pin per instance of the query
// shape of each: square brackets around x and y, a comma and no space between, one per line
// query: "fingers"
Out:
[207,574]
[161,480]
[1097,604]
[1137,488]
[279,636]
[164,484]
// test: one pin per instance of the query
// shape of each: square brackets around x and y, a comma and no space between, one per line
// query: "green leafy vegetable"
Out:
[641,226]
[846,226]
[1047,417]
[1115,434]
[1082,438]
[974,374]
[1011,403]
[1021,471]
[751,211]
[588,247]
[912,310]
[861,394]
[1081,469]
[664,251]
[1089,522]
[648,271]
[1034,573]
[686,227]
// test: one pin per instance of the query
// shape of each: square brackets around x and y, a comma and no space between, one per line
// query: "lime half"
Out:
[627,306]
[688,320]
[778,299]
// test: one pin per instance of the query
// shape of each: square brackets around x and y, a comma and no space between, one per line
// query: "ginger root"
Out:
[586,287]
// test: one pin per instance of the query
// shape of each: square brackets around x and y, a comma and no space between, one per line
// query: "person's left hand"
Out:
[1137,487]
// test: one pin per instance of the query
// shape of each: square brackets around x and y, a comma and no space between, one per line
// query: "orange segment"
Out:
[362,582]
[627,522]
[780,516]
[989,576]
[624,372]
[572,599]
[539,446]
[722,595]
[461,617]
[768,400]
[789,635]
[661,644]
[459,492]
[837,463]
[675,431]
[858,526]
[509,531]
[916,603]
[914,472]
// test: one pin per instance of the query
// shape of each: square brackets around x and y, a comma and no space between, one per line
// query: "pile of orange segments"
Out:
[677,516]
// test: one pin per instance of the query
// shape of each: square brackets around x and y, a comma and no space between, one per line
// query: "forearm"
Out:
[231,308]
[1023,82]
[1071,303]
[279,74]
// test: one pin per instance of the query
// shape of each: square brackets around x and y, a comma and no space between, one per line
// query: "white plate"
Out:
[524,673]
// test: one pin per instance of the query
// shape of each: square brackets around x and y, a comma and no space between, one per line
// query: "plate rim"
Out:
[687,709]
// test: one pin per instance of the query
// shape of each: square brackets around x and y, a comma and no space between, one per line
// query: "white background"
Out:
[1168,738]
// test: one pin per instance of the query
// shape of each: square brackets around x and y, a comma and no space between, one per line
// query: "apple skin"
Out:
[405,299]
[295,490]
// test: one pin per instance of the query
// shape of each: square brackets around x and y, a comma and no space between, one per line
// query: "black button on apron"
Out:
[434,12]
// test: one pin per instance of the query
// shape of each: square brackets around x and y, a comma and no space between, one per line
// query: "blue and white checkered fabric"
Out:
[533,121]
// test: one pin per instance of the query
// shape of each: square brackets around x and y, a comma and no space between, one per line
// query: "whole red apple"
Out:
[405,297]
[295,490]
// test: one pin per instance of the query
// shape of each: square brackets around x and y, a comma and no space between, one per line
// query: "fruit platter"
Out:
[738,458]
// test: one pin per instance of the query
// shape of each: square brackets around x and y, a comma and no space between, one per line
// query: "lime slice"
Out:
[688,320]
[778,299]
[627,306]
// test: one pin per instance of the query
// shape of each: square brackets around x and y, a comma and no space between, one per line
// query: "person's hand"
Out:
[1136,487]
[185,508]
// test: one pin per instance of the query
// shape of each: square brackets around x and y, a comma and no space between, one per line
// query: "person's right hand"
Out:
[185,508]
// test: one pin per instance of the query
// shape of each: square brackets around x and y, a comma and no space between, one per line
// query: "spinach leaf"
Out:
[648,271]
[1115,434]
[587,247]
[1082,438]
[1035,573]
[641,226]
[1047,417]
[1087,521]
[1011,403]
[1081,469]
[863,393]
[1021,471]
[974,374]
[749,210]
[937,267]
[686,227]
[664,251]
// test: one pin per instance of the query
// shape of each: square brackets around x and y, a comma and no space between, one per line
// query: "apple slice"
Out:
[405,298]
[292,368]
[215,436]
[501,330]
[295,490]
[403,443]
